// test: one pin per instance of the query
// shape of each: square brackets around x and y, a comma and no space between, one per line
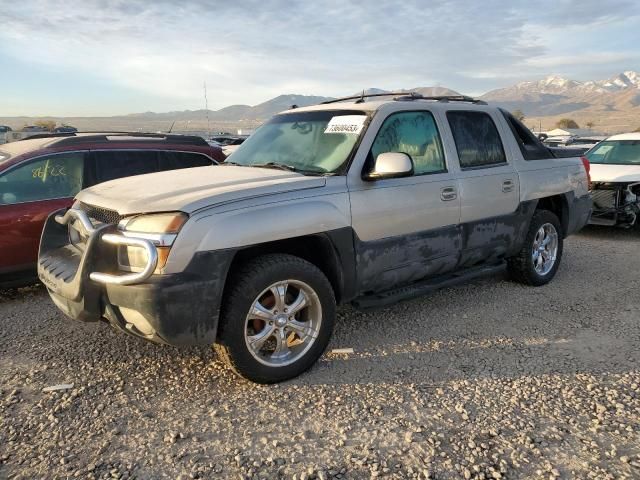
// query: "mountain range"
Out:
[611,105]
[549,97]
[552,95]
[269,108]
[556,95]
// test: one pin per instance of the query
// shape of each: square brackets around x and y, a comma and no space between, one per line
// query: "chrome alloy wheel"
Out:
[283,323]
[545,249]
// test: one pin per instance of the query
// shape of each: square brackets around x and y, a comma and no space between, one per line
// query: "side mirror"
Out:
[391,165]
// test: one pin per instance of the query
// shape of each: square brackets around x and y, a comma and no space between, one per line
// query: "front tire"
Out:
[277,318]
[538,261]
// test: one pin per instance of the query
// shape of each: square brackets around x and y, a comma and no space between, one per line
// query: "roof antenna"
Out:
[361,99]
[171,127]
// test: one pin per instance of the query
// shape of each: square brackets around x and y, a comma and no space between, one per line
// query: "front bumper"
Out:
[176,309]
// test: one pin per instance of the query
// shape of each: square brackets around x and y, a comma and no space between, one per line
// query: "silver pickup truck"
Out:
[361,200]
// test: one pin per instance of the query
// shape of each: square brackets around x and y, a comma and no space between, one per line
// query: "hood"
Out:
[601,172]
[191,189]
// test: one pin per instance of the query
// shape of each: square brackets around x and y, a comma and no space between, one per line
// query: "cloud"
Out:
[599,58]
[248,51]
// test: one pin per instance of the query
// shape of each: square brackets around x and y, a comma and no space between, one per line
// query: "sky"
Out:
[101,57]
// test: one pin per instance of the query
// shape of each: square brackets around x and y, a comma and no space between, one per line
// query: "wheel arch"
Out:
[332,252]
[559,205]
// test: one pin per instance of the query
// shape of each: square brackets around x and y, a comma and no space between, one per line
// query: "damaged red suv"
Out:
[40,175]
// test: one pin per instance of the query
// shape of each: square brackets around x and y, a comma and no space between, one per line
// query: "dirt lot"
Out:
[487,380]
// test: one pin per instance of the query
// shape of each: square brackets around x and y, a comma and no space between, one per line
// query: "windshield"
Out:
[313,142]
[617,152]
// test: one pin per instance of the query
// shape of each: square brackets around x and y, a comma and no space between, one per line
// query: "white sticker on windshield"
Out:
[603,149]
[346,124]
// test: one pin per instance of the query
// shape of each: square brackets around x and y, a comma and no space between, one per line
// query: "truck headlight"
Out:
[159,228]
[154,223]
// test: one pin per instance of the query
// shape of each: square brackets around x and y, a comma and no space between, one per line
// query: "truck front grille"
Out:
[102,215]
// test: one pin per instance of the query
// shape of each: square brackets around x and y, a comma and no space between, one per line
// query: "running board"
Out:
[423,287]
[606,222]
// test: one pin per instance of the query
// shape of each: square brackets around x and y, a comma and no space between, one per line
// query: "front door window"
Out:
[46,178]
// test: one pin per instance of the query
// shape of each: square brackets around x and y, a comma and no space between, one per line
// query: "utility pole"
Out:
[206,109]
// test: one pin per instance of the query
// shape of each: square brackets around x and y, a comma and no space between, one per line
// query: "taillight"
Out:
[587,167]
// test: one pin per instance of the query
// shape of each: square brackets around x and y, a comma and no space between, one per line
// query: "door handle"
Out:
[448,193]
[508,186]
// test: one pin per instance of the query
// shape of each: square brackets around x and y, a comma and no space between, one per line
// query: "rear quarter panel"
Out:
[545,178]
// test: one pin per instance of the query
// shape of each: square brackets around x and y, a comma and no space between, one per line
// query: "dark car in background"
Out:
[41,175]
[65,129]
[33,128]
[228,139]
[228,142]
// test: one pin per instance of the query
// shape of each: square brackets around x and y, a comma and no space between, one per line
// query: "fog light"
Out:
[134,259]
[159,228]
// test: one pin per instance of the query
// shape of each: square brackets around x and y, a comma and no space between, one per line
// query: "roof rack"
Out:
[360,98]
[47,135]
[106,137]
[440,98]
[407,96]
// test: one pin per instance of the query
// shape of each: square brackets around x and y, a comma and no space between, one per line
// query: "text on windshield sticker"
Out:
[346,124]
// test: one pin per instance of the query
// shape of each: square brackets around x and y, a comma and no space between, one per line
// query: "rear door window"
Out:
[477,139]
[171,160]
[45,178]
[113,164]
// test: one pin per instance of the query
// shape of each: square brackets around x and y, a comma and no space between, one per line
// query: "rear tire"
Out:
[539,259]
[277,318]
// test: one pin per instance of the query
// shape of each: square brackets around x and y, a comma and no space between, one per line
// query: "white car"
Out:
[615,176]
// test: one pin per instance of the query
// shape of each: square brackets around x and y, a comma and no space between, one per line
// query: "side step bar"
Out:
[606,222]
[423,287]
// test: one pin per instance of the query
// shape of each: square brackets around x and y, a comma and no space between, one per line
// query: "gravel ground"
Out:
[486,380]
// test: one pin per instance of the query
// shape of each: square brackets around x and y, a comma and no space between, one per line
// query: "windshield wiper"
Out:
[280,166]
[291,168]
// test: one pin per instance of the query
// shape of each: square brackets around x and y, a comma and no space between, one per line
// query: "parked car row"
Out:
[38,176]
[7,134]
[582,143]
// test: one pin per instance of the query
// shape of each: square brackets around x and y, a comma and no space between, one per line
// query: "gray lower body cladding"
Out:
[393,262]
[177,309]
[579,210]
[396,261]
[180,309]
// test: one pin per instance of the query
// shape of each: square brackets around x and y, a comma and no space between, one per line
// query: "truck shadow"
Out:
[597,232]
